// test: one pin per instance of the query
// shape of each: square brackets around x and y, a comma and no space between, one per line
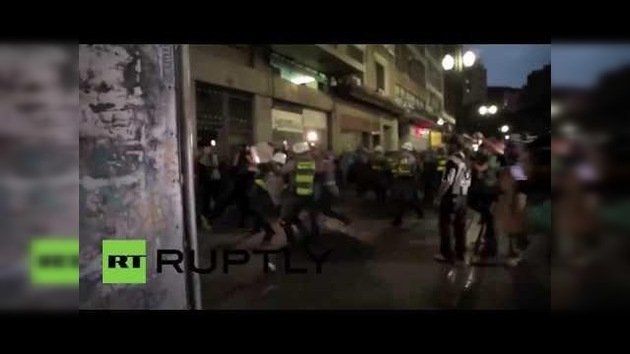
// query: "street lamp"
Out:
[555,109]
[504,128]
[483,110]
[469,59]
[448,62]
[492,109]
[440,121]
[507,137]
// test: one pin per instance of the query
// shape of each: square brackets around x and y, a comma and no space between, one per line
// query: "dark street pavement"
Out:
[372,266]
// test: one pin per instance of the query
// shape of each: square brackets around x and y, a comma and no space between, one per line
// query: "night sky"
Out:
[509,64]
[581,64]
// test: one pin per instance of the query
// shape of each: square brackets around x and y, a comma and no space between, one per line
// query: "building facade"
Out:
[351,95]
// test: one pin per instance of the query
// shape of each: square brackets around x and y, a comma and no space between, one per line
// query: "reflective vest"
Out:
[441,164]
[403,168]
[261,182]
[378,164]
[304,177]
[393,164]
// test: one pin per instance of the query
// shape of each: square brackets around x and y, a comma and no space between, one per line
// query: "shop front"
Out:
[292,124]
[357,131]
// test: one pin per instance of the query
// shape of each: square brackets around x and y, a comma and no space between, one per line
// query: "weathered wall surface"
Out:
[129,169]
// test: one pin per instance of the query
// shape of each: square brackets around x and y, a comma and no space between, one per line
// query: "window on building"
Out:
[435,51]
[355,53]
[380,76]
[403,56]
[417,72]
[434,77]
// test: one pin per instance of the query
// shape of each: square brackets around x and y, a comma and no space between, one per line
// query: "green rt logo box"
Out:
[54,261]
[124,261]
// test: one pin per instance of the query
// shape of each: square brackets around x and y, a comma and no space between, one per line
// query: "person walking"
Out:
[300,172]
[451,199]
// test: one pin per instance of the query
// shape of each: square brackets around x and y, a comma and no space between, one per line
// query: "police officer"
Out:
[451,198]
[380,167]
[404,189]
[300,172]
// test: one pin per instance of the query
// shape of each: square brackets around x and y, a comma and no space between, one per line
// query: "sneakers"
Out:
[512,262]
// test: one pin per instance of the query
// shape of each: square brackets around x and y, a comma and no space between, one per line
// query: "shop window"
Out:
[417,72]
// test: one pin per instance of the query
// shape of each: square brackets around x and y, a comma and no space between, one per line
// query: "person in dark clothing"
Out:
[208,180]
[378,174]
[483,193]
[243,172]
[328,191]
[404,188]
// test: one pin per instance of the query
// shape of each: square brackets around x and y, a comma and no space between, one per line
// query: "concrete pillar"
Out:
[129,170]
[262,118]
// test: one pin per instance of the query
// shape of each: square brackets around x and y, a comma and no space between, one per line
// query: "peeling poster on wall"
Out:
[167,64]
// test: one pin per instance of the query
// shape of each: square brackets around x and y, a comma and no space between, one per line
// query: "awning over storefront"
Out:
[350,122]
[421,120]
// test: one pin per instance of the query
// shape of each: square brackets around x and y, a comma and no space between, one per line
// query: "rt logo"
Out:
[54,261]
[124,261]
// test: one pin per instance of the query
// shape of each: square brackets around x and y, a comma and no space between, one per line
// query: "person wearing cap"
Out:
[301,173]
[404,191]
[380,167]
[451,199]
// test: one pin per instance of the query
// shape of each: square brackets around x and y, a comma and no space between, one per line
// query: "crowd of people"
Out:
[271,183]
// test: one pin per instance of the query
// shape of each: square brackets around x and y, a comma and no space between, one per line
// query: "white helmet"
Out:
[279,157]
[378,148]
[407,146]
[301,147]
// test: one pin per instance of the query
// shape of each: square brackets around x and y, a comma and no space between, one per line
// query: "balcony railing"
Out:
[365,95]
[325,58]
